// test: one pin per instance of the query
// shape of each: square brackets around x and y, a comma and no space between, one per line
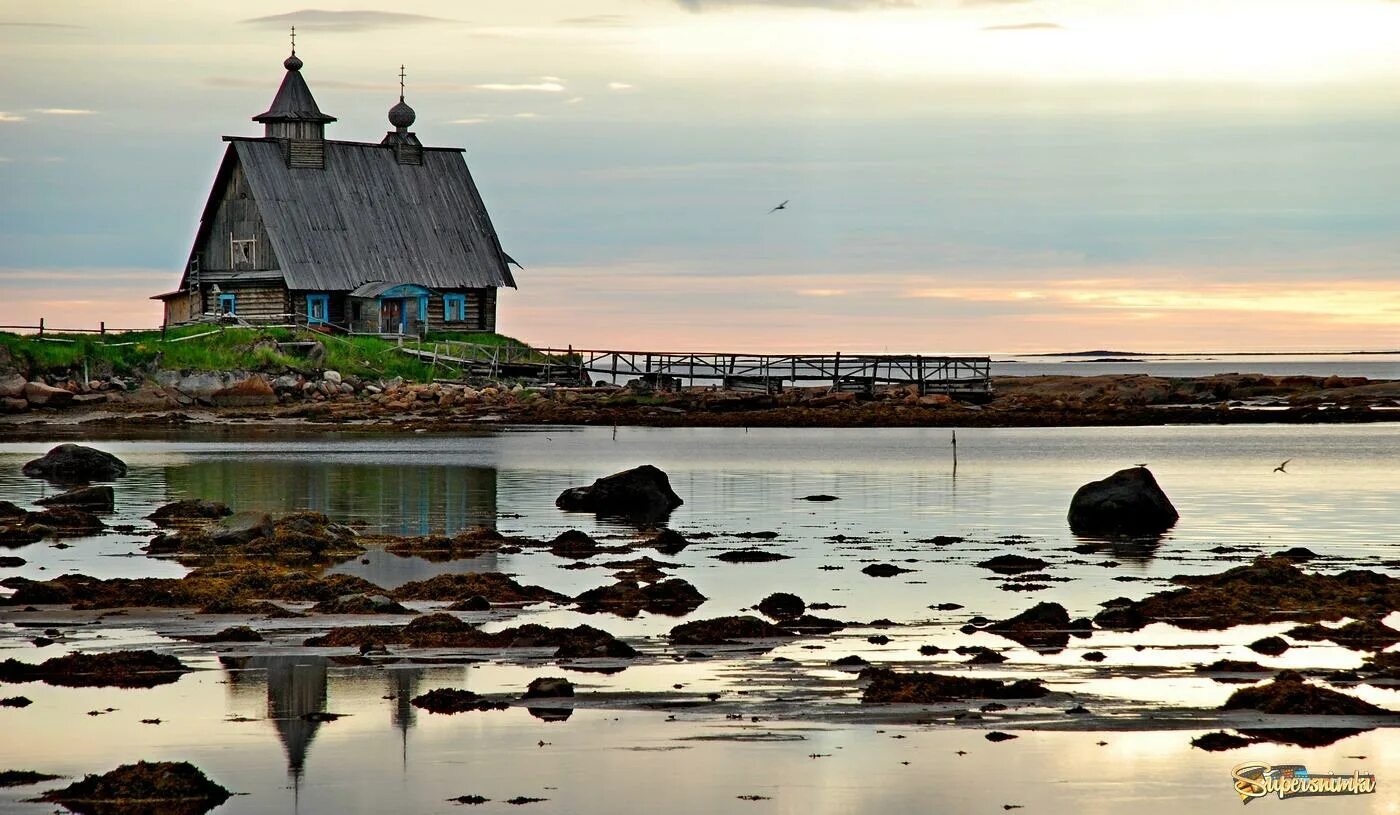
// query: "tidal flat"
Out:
[774,724]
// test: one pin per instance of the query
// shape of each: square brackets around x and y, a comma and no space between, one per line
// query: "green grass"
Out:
[143,352]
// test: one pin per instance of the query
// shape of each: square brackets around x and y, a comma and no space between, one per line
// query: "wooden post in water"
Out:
[955,452]
[836,373]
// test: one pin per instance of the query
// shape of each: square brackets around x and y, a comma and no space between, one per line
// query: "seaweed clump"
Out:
[468,544]
[724,630]
[1261,592]
[628,598]
[888,687]
[452,700]
[495,587]
[175,787]
[119,669]
[447,631]
[1288,694]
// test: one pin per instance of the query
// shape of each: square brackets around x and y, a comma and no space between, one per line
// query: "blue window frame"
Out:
[422,309]
[318,309]
[228,304]
[454,308]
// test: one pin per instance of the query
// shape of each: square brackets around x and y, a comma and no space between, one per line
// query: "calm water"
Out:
[896,486]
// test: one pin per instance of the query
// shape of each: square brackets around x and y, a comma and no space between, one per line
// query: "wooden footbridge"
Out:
[770,373]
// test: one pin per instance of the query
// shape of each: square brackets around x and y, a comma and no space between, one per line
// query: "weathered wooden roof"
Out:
[366,218]
[293,102]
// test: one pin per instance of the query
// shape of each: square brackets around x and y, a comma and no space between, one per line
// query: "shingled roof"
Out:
[367,218]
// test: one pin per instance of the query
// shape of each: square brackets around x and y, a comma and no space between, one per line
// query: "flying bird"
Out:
[1282,468]
[783,205]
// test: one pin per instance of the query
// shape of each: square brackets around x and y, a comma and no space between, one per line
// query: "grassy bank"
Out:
[217,348]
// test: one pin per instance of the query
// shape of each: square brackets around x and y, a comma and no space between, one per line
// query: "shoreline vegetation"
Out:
[234,374]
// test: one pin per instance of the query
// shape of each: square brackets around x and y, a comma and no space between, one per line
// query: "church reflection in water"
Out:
[291,692]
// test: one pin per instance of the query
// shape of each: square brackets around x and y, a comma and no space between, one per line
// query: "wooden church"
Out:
[386,238]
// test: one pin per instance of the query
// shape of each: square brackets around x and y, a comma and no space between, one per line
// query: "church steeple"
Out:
[407,148]
[294,114]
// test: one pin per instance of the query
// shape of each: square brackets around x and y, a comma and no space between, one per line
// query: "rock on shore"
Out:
[1129,502]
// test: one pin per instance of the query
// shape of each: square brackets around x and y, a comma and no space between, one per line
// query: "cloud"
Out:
[1026,27]
[10,117]
[7,24]
[65,111]
[364,20]
[597,21]
[831,5]
[537,87]
[573,101]
[620,86]
[483,118]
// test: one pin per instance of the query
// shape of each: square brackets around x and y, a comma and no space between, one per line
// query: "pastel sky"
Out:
[964,175]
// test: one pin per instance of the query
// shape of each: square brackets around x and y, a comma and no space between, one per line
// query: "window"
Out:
[454,308]
[318,309]
[243,252]
[355,310]
[228,304]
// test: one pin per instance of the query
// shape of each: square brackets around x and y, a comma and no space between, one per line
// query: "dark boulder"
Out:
[549,687]
[74,463]
[1043,626]
[96,499]
[889,687]
[642,492]
[1129,502]
[782,606]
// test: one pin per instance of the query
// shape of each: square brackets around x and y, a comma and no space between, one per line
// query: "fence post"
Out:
[41,326]
[102,327]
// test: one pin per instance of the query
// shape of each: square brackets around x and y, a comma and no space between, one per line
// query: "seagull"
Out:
[1281,468]
[783,205]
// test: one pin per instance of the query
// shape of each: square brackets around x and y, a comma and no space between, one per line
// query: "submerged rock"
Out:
[64,521]
[119,669]
[642,493]
[628,598]
[451,700]
[549,687]
[1220,741]
[1289,694]
[1129,502]
[446,631]
[23,778]
[189,510]
[1362,635]
[888,687]
[1013,564]
[174,788]
[574,544]
[74,463]
[1045,626]
[360,604]
[722,630]
[751,556]
[884,570]
[495,587]
[97,499]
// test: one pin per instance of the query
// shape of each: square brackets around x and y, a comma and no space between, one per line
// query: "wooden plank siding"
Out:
[257,302]
[236,218]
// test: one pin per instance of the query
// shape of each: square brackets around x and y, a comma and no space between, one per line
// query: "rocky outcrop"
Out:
[549,687]
[190,510]
[1129,502]
[641,493]
[40,395]
[74,464]
[782,606]
[722,630]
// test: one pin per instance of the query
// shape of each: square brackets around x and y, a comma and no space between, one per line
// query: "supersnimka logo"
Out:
[1256,779]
